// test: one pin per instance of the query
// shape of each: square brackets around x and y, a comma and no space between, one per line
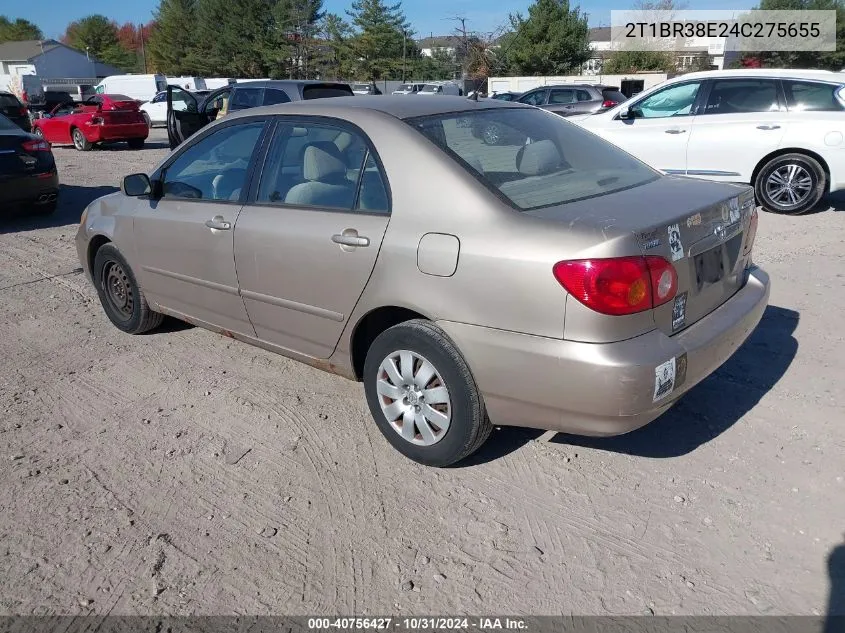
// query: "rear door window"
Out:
[243,98]
[562,95]
[739,96]
[812,96]
[273,97]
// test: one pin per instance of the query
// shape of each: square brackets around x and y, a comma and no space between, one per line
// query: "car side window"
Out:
[243,98]
[811,96]
[324,166]
[214,168]
[534,98]
[273,96]
[562,95]
[670,102]
[738,96]
[160,97]
[583,95]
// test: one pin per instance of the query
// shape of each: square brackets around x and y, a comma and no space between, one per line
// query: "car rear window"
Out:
[9,101]
[114,97]
[273,96]
[6,124]
[320,91]
[811,96]
[533,158]
[613,95]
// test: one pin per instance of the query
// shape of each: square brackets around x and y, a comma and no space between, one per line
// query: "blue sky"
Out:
[426,16]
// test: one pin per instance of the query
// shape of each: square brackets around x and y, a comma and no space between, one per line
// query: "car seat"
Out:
[326,184]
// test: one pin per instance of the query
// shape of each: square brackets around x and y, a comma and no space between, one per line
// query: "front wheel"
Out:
[122,299]
[790,184]
[422,395]
[80,142]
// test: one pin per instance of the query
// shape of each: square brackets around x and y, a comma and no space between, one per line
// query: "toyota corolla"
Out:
[550,281]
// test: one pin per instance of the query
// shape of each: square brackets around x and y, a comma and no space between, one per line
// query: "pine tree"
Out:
[553,40]
[378,41]
[233,38]
[172,41]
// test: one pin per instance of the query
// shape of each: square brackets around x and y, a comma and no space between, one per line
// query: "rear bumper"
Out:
[602,389]
[116,132]
[29,189]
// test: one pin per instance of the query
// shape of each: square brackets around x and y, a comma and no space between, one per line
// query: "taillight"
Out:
[23,111]
[622,285]
[36,146]
[609,103]
[752,232]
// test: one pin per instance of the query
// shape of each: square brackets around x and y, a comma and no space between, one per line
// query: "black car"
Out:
[28,176]
[506,96]
[199,112]
[15,111]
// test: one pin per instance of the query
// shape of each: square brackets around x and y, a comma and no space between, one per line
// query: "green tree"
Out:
[825,60]
[97,36]
[293,41]
[172,41]
[336,59]
[18,30]
[378,42]
[233,38]
[553,40]
[631,61]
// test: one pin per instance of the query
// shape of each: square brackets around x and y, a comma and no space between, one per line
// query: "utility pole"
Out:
[404,39]
[143,50]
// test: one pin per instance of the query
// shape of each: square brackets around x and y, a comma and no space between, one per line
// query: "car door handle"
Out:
[350,240]
[217,222]
[768,127]
[675,131]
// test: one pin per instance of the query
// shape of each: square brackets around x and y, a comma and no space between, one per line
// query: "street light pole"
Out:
[404,38]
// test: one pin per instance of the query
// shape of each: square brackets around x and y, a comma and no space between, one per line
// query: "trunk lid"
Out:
[699,226]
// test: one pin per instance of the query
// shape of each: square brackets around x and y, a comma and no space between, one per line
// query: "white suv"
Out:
[782,131]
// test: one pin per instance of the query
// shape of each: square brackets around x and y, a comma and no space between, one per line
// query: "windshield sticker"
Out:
[664,379]
[675,244]
[679,311]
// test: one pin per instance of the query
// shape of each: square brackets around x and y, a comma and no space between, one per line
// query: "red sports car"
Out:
[100,119]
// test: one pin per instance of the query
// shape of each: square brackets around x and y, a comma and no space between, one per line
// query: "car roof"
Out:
[280,83]
[393,105]
[782,73]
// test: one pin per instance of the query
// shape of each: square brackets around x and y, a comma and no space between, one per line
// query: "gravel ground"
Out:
[185,473]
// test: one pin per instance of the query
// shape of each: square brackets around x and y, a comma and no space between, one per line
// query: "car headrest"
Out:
[320,165]
[536,159]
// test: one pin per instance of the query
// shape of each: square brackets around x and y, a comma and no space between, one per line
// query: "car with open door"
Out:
[187,113]
[558,283]
[102,118]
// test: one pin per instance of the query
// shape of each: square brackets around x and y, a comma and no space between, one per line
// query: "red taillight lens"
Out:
[622,285]
[752,232]
[609,103]
[23,111]
[36,146]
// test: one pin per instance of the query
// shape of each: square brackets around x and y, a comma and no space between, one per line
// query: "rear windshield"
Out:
[533,158]
[613,95]
[9,101]
[119,97]
[321,92]
[161,85]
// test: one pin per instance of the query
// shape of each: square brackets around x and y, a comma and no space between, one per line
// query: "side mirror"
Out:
[628,114]
[136,185]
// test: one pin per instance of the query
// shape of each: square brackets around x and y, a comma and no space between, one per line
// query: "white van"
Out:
[188,83]
[213,83]
[140,87]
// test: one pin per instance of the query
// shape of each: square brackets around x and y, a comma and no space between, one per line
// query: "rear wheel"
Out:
[38,132]
[491,134]
[790,184]
[423,396]
[80,142]
[147,119]
[136,143]
[122,299]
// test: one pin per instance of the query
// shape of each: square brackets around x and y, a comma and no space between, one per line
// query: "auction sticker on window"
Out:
[664,379]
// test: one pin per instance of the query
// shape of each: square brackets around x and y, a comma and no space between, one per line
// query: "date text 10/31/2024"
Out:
[401,625]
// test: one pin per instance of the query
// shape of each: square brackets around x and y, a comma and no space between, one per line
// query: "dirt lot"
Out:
[182,472]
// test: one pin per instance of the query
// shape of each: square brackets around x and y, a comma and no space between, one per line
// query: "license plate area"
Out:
[710,266]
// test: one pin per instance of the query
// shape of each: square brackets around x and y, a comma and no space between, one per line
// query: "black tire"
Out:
[135,315]
[136,143]
[79,141]
[469,426]
[810,184]
[147,119]
[38,132]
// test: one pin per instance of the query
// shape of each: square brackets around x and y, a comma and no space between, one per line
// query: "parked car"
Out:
[569,99]
[366,89]
[408,89]
[106,118]
[12,108]
[155,111]
[505,96]
[27,88]
[778,130]
[441,88]
[300,229]
[186,114]
[142,88]
[28,175]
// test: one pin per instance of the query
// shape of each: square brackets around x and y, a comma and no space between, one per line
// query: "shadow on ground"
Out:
[72,202]
[835,622]
[701,415]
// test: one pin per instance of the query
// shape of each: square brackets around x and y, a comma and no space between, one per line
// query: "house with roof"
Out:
[50,59]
